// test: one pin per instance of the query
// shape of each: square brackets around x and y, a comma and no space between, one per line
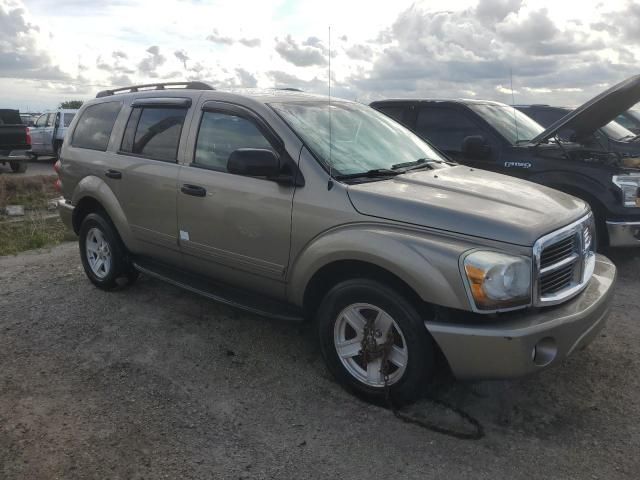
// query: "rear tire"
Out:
[413,346]
[104,256]
[18,167]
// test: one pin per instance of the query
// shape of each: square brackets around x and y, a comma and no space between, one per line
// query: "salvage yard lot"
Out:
[154,382]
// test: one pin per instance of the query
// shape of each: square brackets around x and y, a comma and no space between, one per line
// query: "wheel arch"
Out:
[340,270]
[423,265]
[91,195]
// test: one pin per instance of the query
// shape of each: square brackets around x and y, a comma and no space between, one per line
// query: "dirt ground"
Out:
[153,382]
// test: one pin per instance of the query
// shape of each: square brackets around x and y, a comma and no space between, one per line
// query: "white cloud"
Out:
[456,48]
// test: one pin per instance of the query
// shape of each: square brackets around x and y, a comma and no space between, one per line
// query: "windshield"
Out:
[514,125]
[616,131]
[362,139]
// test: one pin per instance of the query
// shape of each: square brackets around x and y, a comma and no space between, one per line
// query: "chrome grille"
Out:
[564,262]
[557,280]
[558,251]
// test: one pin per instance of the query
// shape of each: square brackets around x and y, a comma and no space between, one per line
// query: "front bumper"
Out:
[532,340]
[65,209]
[624,234]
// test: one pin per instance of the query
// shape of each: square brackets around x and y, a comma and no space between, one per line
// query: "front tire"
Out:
[104,256]
[341,318]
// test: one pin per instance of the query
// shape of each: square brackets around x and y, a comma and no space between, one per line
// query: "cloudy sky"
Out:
[558,52]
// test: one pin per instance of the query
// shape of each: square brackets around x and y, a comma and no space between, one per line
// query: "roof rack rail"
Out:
[290,89]
[155,86]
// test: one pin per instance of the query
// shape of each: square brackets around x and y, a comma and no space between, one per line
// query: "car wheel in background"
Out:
[18,167]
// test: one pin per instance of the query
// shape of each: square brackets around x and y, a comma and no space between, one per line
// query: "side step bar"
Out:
[234,297]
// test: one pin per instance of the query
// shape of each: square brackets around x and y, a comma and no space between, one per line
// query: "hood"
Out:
[598,111]
[471,202]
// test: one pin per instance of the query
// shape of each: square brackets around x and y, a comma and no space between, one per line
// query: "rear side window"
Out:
[397,113]
[154,132]
[445,127]
[222,133]
[42,120]
[93,130]
[68,117]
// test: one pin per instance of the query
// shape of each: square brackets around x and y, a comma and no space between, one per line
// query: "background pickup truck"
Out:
[15,141]
[49,131]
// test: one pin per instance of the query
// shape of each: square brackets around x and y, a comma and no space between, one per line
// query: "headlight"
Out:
[498,281]
[629,184]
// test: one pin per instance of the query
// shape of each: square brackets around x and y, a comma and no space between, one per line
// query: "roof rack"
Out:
[155,86]
[290,89]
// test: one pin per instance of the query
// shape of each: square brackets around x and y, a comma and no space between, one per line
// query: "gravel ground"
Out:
[154,382]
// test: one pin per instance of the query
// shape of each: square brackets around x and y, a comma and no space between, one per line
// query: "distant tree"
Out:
[71,104]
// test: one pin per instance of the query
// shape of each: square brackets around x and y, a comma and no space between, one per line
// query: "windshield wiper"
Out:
[416,165]
[377,172]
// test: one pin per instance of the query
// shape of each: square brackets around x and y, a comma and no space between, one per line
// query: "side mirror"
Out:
[476,146]
[254,162]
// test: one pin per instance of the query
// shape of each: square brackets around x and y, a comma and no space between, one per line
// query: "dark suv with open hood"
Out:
[494,136]
[612,137]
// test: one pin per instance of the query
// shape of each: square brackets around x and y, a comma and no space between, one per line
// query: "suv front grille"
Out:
[558,251]
[564,262]
[557,280]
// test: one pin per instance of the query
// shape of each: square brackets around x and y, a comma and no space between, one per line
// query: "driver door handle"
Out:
[193,190]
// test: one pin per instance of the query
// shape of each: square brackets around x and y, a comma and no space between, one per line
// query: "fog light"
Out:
[544,352]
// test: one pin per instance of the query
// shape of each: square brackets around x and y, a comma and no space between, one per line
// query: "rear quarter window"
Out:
[95,125]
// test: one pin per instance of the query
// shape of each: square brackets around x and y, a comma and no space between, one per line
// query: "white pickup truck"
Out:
[47,134]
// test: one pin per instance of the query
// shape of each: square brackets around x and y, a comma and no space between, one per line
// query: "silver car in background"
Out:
[49,130]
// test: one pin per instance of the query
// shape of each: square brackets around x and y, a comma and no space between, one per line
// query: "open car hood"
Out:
[598,111]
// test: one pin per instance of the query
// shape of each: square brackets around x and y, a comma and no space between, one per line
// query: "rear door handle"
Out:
[113,174]
[193,190]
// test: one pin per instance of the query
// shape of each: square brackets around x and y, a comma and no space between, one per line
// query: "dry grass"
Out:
[33,232]
[32,192]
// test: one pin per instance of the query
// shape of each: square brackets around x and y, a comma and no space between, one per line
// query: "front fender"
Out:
[97,189]
[426,261]
[575,182]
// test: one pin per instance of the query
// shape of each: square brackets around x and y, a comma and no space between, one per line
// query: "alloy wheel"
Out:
[348,334]
[98,253]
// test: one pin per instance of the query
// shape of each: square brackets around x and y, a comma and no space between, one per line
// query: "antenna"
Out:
[330,182]
[513,105]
